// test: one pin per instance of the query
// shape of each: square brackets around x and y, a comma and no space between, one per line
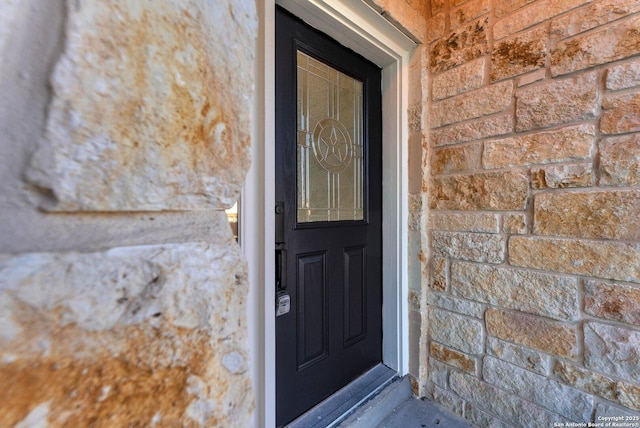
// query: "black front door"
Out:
[328,216]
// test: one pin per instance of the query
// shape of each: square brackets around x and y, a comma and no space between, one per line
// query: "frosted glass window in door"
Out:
[330,155]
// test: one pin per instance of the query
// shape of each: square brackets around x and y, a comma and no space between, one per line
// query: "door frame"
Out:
[356,25]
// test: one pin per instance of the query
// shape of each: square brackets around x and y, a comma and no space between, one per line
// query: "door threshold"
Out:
[330,412]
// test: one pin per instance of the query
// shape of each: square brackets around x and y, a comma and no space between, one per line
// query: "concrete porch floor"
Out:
[395,406]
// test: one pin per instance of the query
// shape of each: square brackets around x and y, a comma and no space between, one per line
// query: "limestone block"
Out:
[621,112]
[562,176]
[613,390]
[504,7]
[10,14]
[462,45]
[458,80]
[464,222]
[456,159]
[613,350]
[626,75]
[438,372]
[565,144]
[479,247]
[456,331]
[439,274]
[607,260]
[450,401]
[620,161]
[453,358]
[543,334]
[475,130]
[594,15]
[528,291]
[514,223]
[436,26]
[596,214]
[488,191]
[615,302]
[560,101]
[437,6]
[598,47]
[499,402]
[130,335]
[148,113]
[531,15]
[471,105]
[455,304]
[468,11]
[559,398]
[520,356]
[519,54]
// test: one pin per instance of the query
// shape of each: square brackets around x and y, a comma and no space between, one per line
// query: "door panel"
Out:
[329,214]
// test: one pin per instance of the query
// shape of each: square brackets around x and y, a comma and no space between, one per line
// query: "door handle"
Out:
[281,268]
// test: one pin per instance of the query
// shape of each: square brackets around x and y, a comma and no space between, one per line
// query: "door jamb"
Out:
[359,27]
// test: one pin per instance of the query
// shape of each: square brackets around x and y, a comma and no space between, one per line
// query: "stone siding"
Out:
[532,276]
[124,135]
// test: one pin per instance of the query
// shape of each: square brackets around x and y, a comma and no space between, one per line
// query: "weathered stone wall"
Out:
[124,134]
[532,181]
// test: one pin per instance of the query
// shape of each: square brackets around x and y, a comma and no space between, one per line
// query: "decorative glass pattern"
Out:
[330,154]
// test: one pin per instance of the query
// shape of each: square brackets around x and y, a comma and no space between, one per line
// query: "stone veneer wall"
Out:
[124,134]
[532,191]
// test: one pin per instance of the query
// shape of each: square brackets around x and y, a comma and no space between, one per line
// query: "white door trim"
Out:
[359,27]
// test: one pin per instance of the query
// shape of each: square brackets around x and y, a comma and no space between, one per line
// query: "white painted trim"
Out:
[359,27]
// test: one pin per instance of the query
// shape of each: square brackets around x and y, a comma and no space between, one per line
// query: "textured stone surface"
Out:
[453,357]
[504,7]
[598,47]
[505,404]
[531,77]
[528,291]
[463,45]
[474,130]
[520,356]
[621,113]
[620,160]
[489,191]
[146,115]
[138,332]
[455,304]
[553,395]
[464,222]
[436,27]
[479,247]
[594,15]
[613,390]
[539,333]
[596,214]
[438,372]
[439,273]
[624,76]
[456,159]
[456,331]
[468,11]
[559,101]
[518,55]
[458,80]
[608,260]
[526,17]
[615,302]
[562,176]
[612,350]
[514,223]
[480,418]
[481,102]
[565,144]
